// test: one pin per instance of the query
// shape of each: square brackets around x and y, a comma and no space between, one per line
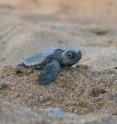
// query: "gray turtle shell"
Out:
[37,58]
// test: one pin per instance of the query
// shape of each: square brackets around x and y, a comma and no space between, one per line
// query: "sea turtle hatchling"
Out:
[50,60]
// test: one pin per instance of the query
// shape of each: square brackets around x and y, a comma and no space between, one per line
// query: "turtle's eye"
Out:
[70,55]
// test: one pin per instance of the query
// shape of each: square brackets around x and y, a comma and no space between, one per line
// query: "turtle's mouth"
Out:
[80,56]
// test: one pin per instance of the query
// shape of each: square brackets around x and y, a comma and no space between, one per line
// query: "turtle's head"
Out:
[71,56]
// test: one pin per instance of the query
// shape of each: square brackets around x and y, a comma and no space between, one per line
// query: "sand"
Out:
[87,88]
[75,90]
[83,9]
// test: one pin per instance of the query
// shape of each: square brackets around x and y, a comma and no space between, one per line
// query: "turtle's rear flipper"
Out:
[49,73]
[20,68]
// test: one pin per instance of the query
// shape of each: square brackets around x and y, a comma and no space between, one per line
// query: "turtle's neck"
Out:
[57,55]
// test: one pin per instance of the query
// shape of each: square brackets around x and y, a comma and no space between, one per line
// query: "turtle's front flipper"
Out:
[49,73]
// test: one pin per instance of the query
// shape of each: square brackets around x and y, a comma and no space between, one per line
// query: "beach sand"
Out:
[89,87]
